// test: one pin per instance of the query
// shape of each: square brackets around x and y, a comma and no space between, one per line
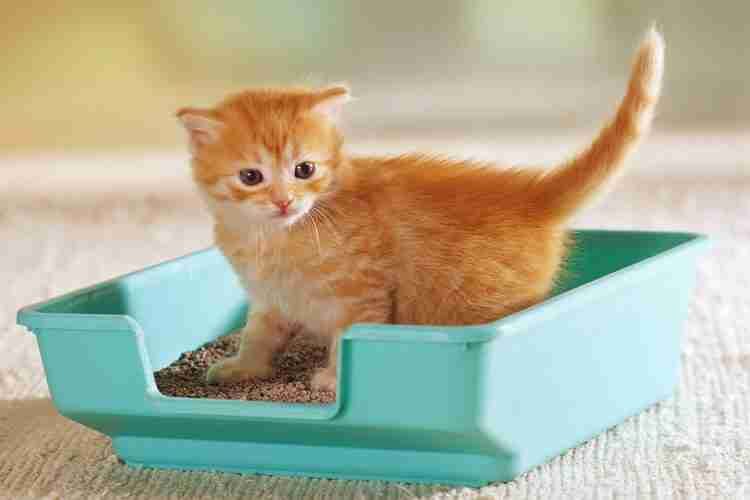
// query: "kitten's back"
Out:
[474,241]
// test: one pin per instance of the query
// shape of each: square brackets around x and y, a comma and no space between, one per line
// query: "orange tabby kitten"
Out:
[321,239]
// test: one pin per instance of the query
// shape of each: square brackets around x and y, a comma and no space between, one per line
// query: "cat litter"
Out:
[291,381]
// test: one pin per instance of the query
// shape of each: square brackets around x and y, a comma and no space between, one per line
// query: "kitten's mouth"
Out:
[285,214]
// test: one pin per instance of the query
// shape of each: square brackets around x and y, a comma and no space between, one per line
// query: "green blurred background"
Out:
[92,75]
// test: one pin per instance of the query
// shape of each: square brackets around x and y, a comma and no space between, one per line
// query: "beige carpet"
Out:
[695,445]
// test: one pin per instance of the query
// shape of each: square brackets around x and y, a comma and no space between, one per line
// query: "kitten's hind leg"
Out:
[265,334]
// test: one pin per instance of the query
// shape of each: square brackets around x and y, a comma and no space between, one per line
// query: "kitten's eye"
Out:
[304,170]
[251,176]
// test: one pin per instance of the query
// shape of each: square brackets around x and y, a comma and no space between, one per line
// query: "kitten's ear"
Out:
[330,100]
[201,125]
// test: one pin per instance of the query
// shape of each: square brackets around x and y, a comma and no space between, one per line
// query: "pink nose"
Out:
[283,205]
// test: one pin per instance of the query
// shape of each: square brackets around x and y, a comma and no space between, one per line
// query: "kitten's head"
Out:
[264,157]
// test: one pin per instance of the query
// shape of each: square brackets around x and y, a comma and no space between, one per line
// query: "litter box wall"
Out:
[464,405]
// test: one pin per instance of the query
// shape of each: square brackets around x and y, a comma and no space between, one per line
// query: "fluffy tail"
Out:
[566,188]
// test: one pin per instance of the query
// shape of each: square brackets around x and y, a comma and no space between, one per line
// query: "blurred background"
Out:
[108,76]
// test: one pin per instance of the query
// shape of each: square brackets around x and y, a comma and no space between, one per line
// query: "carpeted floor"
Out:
[695,445]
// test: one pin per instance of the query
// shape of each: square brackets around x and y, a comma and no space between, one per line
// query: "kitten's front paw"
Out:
[233,370]
[324,380]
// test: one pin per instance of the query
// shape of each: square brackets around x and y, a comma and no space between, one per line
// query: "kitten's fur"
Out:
[412,239]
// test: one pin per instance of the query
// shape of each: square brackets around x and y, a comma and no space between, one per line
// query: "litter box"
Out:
[452,405]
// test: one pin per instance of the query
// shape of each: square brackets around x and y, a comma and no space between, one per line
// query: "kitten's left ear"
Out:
[330,100]
[202,127]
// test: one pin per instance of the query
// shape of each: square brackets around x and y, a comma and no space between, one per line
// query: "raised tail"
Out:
[560,192]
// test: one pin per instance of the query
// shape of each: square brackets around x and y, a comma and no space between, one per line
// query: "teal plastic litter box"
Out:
[452,405]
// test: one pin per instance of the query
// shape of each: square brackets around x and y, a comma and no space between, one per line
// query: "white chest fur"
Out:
[298,296]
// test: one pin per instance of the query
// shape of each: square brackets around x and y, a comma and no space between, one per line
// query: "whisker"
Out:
[320,210]
[317,234]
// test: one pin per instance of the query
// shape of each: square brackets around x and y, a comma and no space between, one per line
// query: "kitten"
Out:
[322,240]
